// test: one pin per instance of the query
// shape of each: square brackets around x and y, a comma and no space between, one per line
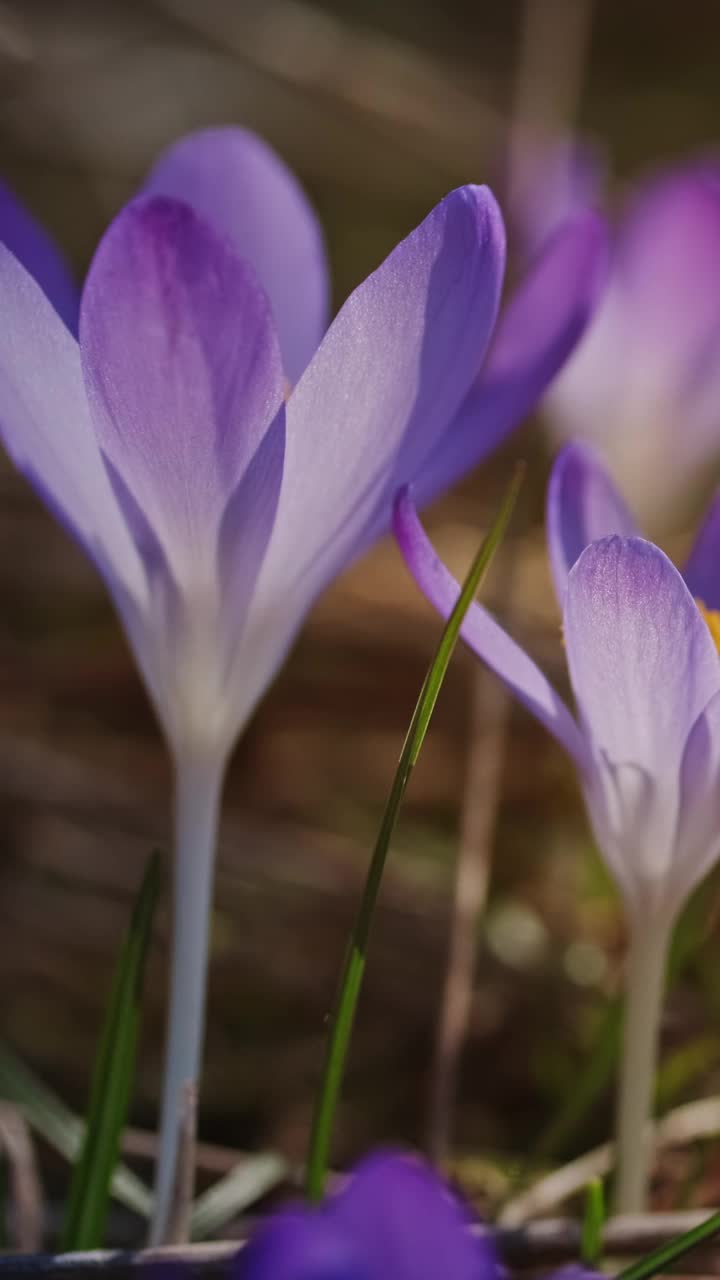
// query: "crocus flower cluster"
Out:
[222,454]
[644,385]
[393,1218]
[221,460]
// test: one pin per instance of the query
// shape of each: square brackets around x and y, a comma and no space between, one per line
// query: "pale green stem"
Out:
[198,784]
[644,989]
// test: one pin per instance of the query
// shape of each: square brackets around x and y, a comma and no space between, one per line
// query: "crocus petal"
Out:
[698,830]
[702,571]
[245,531]
[409,1224]
[246,192]
[36,250]
[643,667]
[46,426]
[669,262]
[181,366]
[536,333]
[583,506]
[644,384]
[388,378]
[590,398]
[633,815]
[642,662]
[483,634]
[301,1245]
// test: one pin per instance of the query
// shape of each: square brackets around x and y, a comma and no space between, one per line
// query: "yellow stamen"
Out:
[712,617]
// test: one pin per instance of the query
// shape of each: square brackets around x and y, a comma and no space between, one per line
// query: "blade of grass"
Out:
[232,1194]
[112,1079]
[341,1024]
[593,1222]
[662,1258]
[64,1131]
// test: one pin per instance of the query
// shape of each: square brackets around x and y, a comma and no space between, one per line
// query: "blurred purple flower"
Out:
[393,1217]
[393,1220]
[644,385]
[556,177]
[644,670]
[216,504]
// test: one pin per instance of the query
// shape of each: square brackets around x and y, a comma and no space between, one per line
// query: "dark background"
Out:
[381,108]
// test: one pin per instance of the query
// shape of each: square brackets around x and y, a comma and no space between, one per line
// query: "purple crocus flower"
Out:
[215,503]
[394,1218]
[644,669]
[641,643]
[644,385]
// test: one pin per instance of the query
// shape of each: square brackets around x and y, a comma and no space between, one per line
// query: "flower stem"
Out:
[647,962]
[198,784]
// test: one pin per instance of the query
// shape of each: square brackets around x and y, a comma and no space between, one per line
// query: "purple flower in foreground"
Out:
[645,672]
[644,385]
[215,504]
[393,1217]
[393,1220]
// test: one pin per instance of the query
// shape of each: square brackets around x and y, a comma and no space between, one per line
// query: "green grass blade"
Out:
[663,1258]
[56,1124]
[593,1222]
[341,1023]
[112,1079]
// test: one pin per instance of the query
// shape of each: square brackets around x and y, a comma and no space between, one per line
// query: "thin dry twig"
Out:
[143,1144]
[523,1248]
[557,1240]
[178,1226]
[555,41]
[685,1124]
[486,751]
[26,1194]
[374,75]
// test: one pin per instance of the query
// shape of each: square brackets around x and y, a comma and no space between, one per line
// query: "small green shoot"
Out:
[594,1215]
[663,1258]
[90,1190]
